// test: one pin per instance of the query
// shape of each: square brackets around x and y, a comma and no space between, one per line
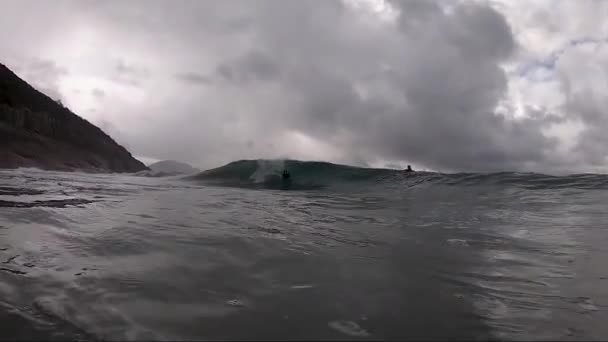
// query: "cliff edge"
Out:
[36,131]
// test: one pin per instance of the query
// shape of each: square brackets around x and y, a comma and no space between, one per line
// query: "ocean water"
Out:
[334,253]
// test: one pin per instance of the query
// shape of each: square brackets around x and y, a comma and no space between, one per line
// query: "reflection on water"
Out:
[142,258]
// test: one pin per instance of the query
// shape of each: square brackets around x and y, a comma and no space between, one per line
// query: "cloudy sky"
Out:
[445,85]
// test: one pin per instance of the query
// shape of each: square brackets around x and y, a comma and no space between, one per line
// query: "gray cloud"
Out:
[435,103]
[130,74]
[319,79]
[194,78]
[98,93]
[253,66]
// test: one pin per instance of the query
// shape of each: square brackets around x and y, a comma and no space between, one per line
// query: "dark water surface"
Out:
[503,256]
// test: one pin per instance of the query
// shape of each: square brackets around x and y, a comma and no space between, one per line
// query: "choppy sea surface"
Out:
[334,253]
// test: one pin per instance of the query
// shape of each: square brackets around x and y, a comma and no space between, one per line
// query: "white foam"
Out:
[348,328]
[235,302]
[300,287]
[587,305]
[266,168]
[458,242]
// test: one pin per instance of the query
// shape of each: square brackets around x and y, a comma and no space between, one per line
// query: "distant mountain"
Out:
[36,131]
[172,167]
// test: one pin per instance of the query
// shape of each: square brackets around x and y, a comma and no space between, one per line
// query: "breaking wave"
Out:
[309,175]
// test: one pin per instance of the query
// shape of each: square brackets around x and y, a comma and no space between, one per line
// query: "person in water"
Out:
[409,169]
[286,174]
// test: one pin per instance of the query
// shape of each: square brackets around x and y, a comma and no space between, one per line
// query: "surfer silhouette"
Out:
[286,174]
[409,169]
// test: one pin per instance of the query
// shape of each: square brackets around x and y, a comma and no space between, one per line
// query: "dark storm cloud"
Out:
[443,74]
[424,89]
[451,89]
[434,82]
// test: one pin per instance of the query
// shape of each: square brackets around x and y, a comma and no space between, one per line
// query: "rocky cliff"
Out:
[36,131]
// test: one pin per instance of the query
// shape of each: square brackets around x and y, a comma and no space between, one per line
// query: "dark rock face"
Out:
[36,131]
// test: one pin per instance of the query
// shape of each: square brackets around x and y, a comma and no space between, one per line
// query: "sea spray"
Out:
[267,168]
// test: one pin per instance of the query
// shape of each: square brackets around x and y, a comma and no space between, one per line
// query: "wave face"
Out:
[310,175]
[304,174]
